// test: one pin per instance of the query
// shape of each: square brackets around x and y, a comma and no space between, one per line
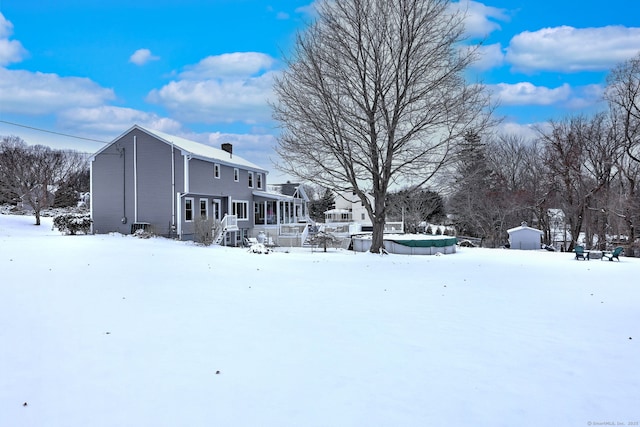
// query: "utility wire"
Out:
[53,132]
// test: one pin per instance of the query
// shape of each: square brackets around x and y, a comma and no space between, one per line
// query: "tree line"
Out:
[375,97]
[39,176]
[584,168]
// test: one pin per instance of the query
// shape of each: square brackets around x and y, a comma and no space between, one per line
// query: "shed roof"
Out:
[523,227]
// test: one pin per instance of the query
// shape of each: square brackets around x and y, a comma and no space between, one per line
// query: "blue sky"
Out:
[203,69]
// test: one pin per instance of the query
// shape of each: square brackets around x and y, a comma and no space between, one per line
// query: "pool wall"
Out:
[431,246]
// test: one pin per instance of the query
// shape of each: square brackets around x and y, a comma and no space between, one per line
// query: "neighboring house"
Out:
[524,237]
[560,234]
[348,209]
[152,180]
[39,194]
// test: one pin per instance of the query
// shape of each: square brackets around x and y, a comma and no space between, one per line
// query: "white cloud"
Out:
[237,64]
[10,50]
[142,56]
[527,132]
[568,49]
[282,16]
[585,97]
[310,9]
[481,19]
[111,120]
[26,92]
[489,56]
[6,27]
[525,93]
[232,87]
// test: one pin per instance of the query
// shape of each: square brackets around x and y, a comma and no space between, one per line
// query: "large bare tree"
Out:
[34,172]
[374,95]
[623,95]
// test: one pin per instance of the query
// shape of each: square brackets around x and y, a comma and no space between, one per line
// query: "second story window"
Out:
[216,171]
[236,174]
[259,178]
[250,179]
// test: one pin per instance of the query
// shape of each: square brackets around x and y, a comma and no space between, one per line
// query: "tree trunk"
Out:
[377,239]
[37,214]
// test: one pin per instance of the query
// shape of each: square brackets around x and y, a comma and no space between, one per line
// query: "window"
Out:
[250,179]
[240,209]
[216,171]
[188,209]
[236,174]
[216,209]
[259,213]
[204,208]
[259,178]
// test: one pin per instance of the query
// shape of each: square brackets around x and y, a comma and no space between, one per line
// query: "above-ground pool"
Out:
[410,244]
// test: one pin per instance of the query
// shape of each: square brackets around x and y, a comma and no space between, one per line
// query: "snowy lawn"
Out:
[109,330]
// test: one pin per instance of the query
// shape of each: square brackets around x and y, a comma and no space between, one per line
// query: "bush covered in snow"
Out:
[71,223]
[259,248]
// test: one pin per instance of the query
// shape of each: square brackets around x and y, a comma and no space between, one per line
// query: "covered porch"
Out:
[280,217]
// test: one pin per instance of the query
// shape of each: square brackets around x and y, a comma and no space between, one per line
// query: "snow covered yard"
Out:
[109,330]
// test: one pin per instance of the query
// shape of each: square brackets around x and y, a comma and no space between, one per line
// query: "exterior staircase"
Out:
[228,223]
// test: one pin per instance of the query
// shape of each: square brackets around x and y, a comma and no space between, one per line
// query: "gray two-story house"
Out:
[146,179]
[151,180]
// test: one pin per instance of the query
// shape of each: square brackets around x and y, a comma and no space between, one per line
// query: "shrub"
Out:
[203,229]
[70,223]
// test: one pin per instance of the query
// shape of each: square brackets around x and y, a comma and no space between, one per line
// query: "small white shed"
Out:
[524,237]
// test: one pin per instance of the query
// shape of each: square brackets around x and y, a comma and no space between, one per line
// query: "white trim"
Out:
[217,207]
[135,178]
[206,207]
[179,212]
[186,199]
[187,157]
[91,193]
[173,185]
[246,204]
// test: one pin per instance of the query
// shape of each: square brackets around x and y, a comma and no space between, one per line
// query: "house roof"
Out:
[522,228]
[196,149]
[272,195]
[289,189]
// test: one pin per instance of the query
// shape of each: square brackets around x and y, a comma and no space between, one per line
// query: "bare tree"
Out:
[33,172]
[580,154]
[375,95]
[415,206]
[623,94]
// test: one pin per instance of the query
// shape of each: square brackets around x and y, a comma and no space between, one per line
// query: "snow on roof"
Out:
[196,149]
[272,195]
[202,150]
[523,227]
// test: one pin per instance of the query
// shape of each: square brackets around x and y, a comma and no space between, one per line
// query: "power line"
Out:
[53,132]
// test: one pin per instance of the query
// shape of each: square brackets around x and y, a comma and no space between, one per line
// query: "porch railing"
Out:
[230,222]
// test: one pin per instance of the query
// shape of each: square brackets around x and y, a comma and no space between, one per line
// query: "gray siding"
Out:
[114,187]
[113,184]
[155,196]
[111,195]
